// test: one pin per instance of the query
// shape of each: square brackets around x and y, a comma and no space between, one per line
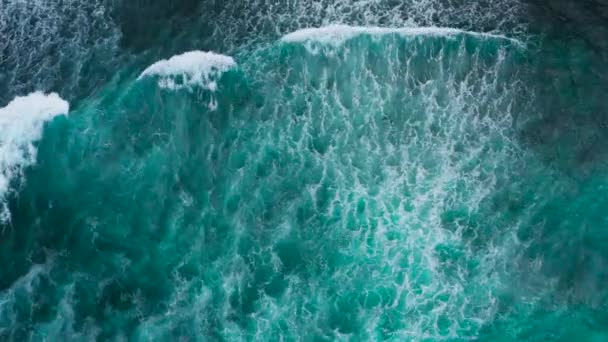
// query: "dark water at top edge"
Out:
[73,48]
[570,78]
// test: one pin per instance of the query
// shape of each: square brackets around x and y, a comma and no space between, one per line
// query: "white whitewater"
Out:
[337,34]
[21,125]
[196,67]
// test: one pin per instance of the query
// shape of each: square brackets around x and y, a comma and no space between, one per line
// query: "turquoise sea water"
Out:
[303,170]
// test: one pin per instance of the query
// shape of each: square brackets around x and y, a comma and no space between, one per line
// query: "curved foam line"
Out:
[21,124]
[196,66]
[335,34]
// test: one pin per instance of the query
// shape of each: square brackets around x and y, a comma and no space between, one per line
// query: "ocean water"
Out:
[318,170]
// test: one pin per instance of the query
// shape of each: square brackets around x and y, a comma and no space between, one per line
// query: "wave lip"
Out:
[337,34]
[195,68]
[21,124]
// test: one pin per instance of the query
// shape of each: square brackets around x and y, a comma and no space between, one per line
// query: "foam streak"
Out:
[337,34]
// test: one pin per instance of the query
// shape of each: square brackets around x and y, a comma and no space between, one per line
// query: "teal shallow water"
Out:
[347,183]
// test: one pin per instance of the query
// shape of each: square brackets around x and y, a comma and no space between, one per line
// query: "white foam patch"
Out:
[337,34]
[21,124]
[198,68]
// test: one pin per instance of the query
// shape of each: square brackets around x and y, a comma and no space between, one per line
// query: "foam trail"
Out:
[195,67]
[21,124]
[337,34]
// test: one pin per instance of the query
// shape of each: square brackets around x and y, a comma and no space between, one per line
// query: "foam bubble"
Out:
[21,124]
[197,68]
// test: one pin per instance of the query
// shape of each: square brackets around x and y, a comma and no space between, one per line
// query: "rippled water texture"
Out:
[303,170]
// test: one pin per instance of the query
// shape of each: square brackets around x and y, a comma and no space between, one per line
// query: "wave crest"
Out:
[337,34]
[196,68]
[21,124]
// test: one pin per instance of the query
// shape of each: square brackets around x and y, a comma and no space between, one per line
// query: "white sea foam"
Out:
[337,34]
[21,124]
[197,68]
